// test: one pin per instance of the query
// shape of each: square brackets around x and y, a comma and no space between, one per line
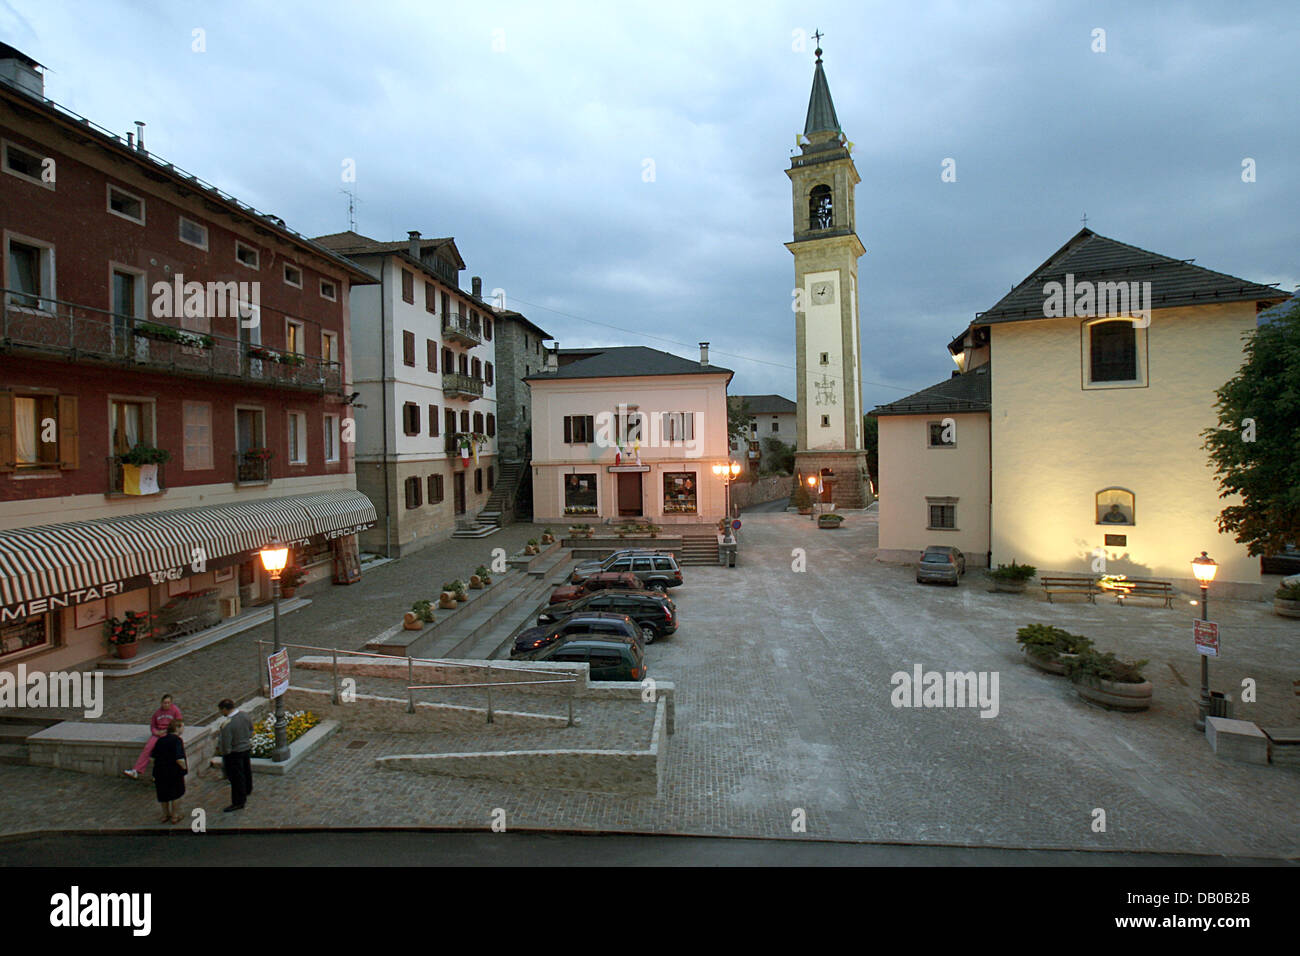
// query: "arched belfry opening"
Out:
[821,208]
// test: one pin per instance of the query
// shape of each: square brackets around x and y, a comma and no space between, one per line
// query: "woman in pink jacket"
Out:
[164,715]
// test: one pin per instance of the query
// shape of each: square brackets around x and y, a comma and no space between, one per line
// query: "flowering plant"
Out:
[263,740]
[263,454]
[127,630]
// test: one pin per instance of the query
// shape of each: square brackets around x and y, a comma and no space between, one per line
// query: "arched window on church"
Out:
[821,212]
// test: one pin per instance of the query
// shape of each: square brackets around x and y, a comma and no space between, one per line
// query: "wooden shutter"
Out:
[69,435]
[408,348]
[431,354]
[7,431]
[568,430]
[589,423]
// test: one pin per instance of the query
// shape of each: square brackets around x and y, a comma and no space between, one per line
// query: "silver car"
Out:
[941,563]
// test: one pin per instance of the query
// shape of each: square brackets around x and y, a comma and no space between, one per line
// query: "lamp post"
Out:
[814,485]
[1204,568]
[274,557]
[727,473]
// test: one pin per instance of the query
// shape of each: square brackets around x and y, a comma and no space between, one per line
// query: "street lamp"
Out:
[727,473]
[814,484]
[274,557]
[1204,568]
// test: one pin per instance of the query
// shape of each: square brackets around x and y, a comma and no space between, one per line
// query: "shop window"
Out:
[1115,506]
[25,635]
[680,493]
[580,494]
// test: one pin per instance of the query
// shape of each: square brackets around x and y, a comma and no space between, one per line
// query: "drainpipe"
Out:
[383,401]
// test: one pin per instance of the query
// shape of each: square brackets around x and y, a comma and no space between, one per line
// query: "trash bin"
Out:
[1220,706]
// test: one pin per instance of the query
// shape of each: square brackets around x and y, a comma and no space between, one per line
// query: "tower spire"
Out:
[821,111]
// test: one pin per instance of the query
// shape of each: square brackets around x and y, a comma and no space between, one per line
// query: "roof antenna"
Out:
[352,208]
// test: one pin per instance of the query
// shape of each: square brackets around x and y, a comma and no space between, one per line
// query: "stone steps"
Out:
[14,731]
[699,549]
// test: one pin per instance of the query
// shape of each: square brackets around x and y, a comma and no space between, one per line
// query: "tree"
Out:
[780,456]
[1256,448]
[871,442]
[738,420]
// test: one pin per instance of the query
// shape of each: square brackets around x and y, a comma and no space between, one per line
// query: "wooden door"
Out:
[629,494]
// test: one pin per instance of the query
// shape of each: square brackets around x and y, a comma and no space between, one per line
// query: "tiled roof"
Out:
[821,111]
[971,392]
[1095,258]
[353,244]
[769,404]
[630,360]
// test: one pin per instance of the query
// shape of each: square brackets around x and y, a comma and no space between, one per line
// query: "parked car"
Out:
[658,570]
[1286,561]
[609,660]
[586,569]
[654,614]
[598,624]
[597,582]
[941,563]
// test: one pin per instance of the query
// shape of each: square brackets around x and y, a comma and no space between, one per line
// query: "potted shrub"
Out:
[547,537]
[124,635]
[140,468]
[802,499]
[457,589]
[830,520]
[447,599]
[423,610]
[1012,577]
[481,572]
[1051,649]
[531,547]
[1286,600]
[290,580]
[653,530]
[1110,681]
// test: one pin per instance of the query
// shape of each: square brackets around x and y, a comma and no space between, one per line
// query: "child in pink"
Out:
[164,715]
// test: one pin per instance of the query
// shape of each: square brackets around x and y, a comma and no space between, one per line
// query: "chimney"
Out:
[139,135]
[476,287]
[414,247]
[704,353]
[21,71]
[553,357]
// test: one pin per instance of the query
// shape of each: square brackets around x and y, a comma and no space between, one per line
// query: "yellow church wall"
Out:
[1056,444]
[911,471]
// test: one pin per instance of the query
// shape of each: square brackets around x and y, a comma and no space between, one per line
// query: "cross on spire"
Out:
[1084,220]
[817,35]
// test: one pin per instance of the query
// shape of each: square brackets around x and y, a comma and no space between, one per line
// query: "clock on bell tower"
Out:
[826,250]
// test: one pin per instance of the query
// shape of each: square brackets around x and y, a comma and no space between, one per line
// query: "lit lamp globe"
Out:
[812,481]
[274,557]
[717,469]
[735,469]
[1204,567]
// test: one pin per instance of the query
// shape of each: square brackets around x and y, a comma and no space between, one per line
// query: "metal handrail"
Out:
[410,665]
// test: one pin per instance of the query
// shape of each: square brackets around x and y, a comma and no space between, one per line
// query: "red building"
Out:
[174,387]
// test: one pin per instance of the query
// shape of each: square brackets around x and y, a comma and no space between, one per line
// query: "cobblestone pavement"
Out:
[783,712]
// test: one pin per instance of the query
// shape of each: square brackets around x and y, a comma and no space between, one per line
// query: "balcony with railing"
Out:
[252,468]
[145,481]
[462,330]
[456,385]
[57,329]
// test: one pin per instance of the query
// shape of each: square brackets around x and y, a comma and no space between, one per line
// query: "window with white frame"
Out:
[29,273]
[331,438]
[292,275]
[192,233]
[329,347]
[24,164]
[942,434]
[942,514]
[297,438]
[678,426]
[1114,353]
[127,205]
[247,255]
[328,290]
[197,417]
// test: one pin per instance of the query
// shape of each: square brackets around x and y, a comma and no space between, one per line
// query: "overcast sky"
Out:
[524,131]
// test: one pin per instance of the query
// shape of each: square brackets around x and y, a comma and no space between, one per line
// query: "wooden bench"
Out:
[1144,587]
[1085,586]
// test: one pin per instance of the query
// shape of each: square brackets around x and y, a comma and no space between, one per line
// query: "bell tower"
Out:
[826,250]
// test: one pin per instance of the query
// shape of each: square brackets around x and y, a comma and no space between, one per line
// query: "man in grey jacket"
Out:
[236,741]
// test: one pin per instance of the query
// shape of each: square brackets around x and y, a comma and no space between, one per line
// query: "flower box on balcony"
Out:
[165,333]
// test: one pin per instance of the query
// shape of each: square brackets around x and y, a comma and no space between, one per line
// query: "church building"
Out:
[826,250]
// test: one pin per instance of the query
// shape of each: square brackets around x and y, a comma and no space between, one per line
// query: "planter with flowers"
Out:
[165,333]
[457,590]
[290,580]
[484,575]
[547,537]
[123,635]
[531,547]
[140,469]
[1286,601]
[830,520]
[263,741]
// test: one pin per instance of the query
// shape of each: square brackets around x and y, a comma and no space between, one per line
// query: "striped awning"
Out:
[83,560]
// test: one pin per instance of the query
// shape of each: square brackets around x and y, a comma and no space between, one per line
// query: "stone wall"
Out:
[388,714]
[745,494]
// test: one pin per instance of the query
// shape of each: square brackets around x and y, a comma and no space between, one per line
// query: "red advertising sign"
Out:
[1206,635]
[278,666]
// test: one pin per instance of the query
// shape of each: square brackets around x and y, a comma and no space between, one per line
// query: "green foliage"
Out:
[482,571]
[1090,667]
[830,518]
[291,576]
[143,454]
[1014,572]
[455,587]
[871,442]
[1288,592]
[1265,472]
[780,456]
[1043,640]
[801,497]
[738,420]
[423,610]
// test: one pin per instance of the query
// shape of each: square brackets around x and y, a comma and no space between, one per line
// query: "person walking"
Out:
[164,715]
[169,770]
[236,741]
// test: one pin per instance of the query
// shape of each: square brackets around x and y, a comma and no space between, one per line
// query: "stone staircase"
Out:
[14,731]
[699,548]
[499,508]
